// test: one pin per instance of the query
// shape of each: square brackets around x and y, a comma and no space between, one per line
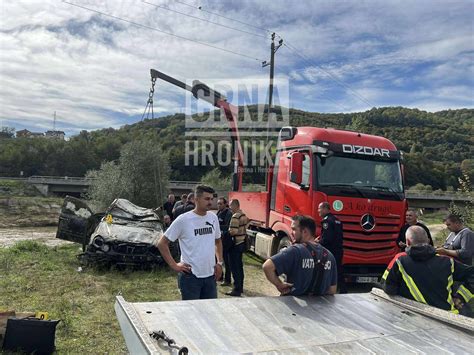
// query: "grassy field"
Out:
[34,277]
[433,217]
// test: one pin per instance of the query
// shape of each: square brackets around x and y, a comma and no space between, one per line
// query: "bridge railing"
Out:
[56,178]
[445,195]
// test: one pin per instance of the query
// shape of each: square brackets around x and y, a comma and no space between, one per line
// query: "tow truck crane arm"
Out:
[204,92]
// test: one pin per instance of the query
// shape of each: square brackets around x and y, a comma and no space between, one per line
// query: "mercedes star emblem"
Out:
[367,222]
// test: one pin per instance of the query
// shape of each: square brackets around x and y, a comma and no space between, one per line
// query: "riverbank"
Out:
[29,211]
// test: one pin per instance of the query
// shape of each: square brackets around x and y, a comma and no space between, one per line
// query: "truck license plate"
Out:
[366,279]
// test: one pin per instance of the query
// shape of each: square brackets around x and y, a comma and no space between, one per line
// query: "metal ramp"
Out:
[341,324]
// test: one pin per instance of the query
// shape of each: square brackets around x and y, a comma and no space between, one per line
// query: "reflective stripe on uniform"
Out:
[465,293]
[449,288]
[415,292]
[389,267]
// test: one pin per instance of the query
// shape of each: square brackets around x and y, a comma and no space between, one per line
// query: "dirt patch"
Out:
[47,235]
[29,211]
[255,284]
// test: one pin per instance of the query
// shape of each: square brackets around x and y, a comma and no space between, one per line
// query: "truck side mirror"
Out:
[296,168]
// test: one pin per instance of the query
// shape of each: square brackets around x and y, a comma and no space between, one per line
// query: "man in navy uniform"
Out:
[331,239]
[309,267]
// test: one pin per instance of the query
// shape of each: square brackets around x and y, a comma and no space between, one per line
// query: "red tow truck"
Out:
[360,175]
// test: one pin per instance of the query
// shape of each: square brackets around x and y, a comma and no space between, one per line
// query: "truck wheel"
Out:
[284,243]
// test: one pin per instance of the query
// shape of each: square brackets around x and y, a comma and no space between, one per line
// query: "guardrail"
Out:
[58,178]
[411,194]
[444,195]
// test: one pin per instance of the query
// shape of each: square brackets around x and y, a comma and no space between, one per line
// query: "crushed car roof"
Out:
[125,209]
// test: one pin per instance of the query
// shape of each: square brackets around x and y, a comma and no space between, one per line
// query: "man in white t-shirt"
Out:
[199,239]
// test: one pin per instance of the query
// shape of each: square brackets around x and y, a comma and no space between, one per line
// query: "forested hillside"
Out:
[436,145]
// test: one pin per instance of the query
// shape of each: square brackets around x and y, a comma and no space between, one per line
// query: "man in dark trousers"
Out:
[309,268]
[331,238]
[224,214]
[238,232]
[421,275]
[411,218]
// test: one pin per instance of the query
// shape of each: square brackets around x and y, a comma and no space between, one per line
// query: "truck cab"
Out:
[359,175]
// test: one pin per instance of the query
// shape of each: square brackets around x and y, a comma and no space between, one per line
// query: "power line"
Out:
[202,19]
[332,76]
[289,46]
[161,31]
[227,18]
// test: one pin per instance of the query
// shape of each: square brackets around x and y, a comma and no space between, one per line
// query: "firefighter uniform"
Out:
[331,239]
[421,275]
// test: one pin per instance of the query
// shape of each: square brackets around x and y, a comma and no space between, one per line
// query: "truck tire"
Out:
[284,243]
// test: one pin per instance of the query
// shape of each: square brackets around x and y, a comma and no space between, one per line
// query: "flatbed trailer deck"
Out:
[340,324]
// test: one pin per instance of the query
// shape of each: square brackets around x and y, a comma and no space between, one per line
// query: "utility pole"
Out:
[273,50]
[54,121]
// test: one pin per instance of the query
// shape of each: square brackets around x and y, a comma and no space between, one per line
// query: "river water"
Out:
[47,235]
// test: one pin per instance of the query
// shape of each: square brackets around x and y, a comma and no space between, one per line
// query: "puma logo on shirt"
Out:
[203,231]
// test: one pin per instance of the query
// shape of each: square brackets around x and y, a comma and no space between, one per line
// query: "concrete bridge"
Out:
[78,185]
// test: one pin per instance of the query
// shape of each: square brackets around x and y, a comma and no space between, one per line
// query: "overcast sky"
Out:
[338,56]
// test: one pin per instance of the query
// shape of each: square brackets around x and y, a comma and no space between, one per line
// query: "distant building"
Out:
[24,133]
[55,134]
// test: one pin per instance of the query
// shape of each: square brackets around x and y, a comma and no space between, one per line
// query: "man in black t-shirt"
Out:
[411,218]
[169,204]
[310,269]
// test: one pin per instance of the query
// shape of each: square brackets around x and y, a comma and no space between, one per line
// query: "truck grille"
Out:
[379,240]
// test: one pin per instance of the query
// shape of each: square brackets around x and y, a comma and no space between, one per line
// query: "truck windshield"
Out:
[360,175]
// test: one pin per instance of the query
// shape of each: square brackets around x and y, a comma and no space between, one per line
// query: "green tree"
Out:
[7,132]
[140,176]
[465,212]
[216,180]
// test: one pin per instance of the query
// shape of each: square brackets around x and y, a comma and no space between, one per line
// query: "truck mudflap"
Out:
[348,323]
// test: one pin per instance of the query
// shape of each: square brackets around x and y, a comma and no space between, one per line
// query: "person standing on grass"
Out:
[224,214]
[332,239]
[200,242]
[238,232]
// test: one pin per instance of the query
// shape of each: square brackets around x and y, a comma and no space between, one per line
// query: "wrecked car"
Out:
[125,234]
